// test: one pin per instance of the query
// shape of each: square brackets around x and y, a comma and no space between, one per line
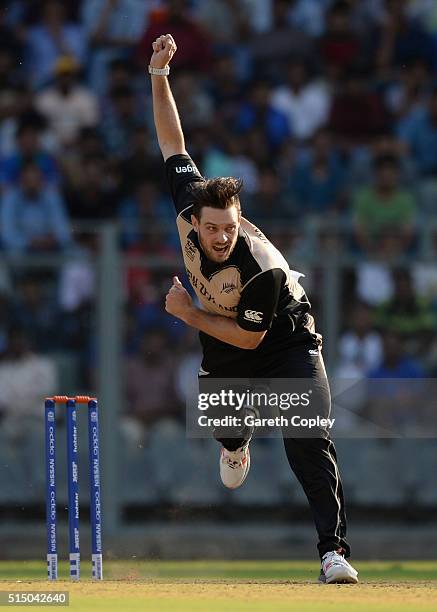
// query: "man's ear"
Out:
[195,223]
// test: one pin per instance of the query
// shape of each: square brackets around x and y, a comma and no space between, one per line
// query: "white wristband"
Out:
[159,71]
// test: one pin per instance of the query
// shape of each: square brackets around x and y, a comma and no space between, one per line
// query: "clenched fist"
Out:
[178,301]
[164,48]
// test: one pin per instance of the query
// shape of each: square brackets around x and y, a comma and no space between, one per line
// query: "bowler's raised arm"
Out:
[165,113]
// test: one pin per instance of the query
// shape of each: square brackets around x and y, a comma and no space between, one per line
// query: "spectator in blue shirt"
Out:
[112,28]
[258,112]
[395,364]
[396,387]
[50,39]
[33,216]
[120,121]
[28,150]
[402,38]
[419,130]
[115,23]
[269,201]
[318,180]
[140,211]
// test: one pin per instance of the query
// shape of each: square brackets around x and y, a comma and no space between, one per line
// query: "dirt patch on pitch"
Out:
[411,596]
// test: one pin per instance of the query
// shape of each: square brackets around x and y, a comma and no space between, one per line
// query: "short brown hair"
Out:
[219,192]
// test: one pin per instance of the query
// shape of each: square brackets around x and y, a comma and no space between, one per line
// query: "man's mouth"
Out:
[222,249]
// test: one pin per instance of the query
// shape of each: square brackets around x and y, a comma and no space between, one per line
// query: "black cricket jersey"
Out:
[254,286]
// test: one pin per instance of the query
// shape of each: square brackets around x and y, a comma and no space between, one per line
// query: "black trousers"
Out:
[312,459]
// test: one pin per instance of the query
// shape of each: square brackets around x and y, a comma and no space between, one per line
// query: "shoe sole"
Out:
[245,473]
[347,578]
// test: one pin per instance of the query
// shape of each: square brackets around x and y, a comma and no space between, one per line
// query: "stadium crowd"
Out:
[326,108]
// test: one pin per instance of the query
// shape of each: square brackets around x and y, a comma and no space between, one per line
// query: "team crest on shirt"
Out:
[228,288]
[190,250]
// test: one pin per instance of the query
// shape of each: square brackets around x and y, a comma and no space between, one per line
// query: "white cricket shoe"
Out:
[234,466]
[335,569]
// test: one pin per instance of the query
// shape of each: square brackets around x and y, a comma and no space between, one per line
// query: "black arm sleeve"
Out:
[181,172]
[259,300]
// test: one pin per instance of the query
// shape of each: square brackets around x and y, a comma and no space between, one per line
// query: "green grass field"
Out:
[211,586]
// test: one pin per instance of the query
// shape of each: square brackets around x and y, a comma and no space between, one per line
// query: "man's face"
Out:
[388,176]
[31,180]
[260,96]
[217,231]
[297,74]
[28,141]
[66,80]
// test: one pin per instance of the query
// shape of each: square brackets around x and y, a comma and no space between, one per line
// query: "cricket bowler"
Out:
[254,319]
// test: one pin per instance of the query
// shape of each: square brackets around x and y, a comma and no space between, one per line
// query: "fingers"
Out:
[161,43]
[165,42]
[174,289]
[170,41]
[177,282]
[157,46]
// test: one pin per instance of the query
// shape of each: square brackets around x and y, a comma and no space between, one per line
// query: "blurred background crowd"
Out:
[326,108]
